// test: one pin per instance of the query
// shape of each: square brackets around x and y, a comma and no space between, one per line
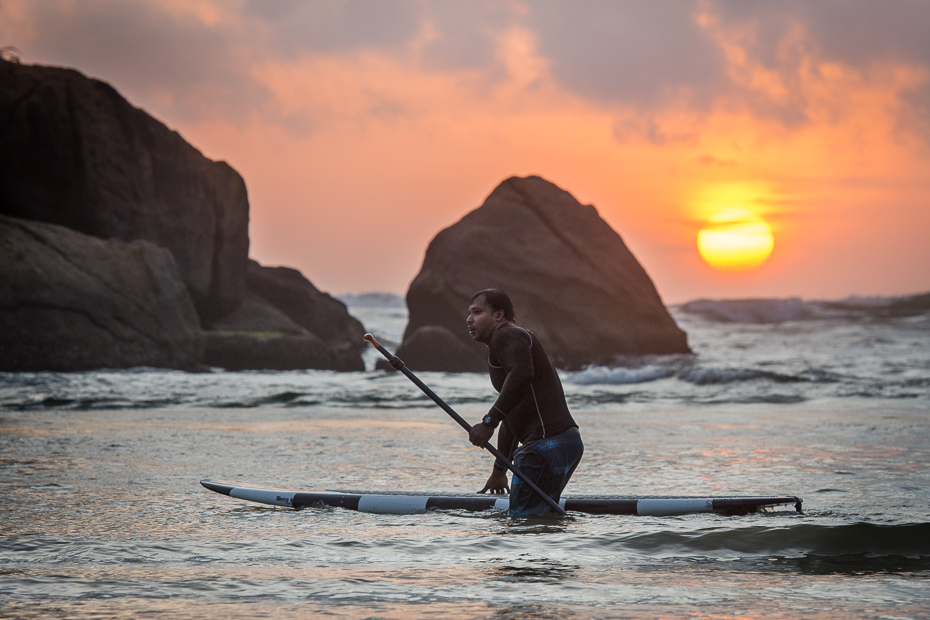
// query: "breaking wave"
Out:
[712,376]
[910,540]
[806,547]
[621,376]
[697,375]
[760,311]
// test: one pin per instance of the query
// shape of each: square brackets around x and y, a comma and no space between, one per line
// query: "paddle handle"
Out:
[399,365]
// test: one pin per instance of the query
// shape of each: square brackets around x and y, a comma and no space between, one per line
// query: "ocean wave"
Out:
[88,404]
[607,398]
[854,546]
[697,375]
[620,375]
[760,311]
[774,399]
[713,376]
[285,399]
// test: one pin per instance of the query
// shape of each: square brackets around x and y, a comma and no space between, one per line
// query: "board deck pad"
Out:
[404,503]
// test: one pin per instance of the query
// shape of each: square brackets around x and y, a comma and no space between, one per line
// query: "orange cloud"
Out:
[397,151]
[356,152]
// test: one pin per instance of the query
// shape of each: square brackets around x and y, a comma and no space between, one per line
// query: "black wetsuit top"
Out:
[531,403]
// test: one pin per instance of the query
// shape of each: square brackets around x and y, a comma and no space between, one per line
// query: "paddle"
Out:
[399,365]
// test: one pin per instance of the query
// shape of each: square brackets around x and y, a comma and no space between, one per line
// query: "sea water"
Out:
[102,514]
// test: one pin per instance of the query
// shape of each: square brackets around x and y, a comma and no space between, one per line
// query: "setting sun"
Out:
[735,239]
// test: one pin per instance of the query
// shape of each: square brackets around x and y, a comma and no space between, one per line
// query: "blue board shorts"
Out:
[549,463]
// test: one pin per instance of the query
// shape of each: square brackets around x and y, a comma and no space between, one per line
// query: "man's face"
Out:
[482,321]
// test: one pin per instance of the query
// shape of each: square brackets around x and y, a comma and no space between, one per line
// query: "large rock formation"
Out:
[69,301]
[572,279]
[269,351]
[74,152]
[286,323]
[319,313]
[256,315]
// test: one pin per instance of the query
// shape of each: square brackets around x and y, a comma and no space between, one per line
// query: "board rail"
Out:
[408,503]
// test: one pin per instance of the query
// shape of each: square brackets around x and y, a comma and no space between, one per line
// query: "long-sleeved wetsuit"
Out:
[532,403]
[534,413]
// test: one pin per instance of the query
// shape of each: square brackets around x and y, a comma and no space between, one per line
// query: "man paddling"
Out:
[531,406]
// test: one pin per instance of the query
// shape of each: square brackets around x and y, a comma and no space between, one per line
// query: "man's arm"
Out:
[506,443]
[497,481]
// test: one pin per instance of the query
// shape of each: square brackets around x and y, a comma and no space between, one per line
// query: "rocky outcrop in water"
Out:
[269,351]
[286,323]
[572,279]
[74,152]
[317,312]
[69,301]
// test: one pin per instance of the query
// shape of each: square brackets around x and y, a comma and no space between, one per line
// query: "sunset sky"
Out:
[362,128]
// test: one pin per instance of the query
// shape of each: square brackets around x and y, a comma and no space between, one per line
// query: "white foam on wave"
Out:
[697,375]
[621,376]
[711,376]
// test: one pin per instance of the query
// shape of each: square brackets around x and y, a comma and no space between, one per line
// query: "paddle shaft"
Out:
[399,365]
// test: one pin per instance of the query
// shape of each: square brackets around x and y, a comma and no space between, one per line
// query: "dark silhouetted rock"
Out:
[69,301]
[74,152]
[238,351]
[320,314]
[256,315]
[436,348]
[259,335]
[572,279]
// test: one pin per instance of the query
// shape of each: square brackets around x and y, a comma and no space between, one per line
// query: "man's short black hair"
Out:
[498,300]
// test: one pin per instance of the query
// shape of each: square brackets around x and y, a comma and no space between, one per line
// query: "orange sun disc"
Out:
[735,239]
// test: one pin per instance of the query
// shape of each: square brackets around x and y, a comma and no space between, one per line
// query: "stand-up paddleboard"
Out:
[402,504]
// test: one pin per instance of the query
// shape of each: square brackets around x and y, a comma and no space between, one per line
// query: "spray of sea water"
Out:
[102,514]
